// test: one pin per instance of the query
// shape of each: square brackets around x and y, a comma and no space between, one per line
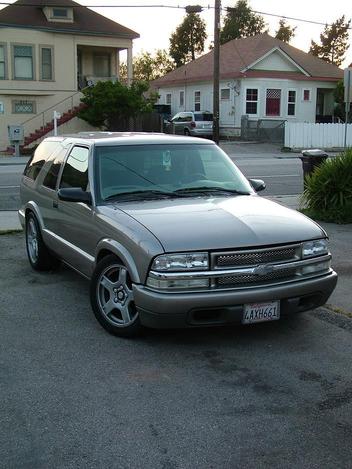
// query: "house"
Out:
[49,51]
[261,78]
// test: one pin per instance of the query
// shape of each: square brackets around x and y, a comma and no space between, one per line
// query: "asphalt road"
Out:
[283,176]
[276,395]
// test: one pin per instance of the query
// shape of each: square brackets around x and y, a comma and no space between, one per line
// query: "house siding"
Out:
[47,93]
[231,113]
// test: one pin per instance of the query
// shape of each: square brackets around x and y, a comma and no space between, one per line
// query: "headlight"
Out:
[315,248]
[181,262]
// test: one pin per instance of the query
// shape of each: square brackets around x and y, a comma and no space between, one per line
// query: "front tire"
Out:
[112,300]
[38,254]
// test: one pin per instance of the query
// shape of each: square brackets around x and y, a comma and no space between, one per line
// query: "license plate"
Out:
[261,312]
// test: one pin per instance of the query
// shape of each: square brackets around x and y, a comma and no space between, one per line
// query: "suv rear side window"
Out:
[42,154]
[53,173]
[75,173]
[203,117]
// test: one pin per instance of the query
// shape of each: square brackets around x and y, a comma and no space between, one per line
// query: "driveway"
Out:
[273,395]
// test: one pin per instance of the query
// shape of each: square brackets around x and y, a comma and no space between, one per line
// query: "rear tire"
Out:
[187,132]
[111,297]
[38,254]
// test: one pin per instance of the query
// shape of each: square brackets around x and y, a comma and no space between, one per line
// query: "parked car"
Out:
[196,124]
[169,232]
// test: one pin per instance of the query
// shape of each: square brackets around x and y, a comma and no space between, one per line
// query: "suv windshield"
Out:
[124,169]
[206,116]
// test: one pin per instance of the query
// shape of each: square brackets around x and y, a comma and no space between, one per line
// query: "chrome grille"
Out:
[234,259]
[236,280]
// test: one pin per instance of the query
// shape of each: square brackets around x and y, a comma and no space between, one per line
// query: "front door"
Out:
[73,222]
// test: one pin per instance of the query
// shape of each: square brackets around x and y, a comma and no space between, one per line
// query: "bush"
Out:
[328,190]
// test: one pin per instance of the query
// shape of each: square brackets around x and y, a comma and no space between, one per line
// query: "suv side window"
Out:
[42,153]
[75,173]
[53,173]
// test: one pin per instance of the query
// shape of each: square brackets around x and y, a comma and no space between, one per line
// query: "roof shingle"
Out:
[29,14]
[238,54]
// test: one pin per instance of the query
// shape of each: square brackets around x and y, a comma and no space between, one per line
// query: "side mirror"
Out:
[257,184]
[75,194]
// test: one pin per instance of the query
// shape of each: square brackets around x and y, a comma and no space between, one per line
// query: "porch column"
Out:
[117,71]
[129,66]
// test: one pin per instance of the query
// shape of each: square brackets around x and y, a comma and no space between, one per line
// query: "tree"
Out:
[148,67]
[187,42]
[340,110]
[285,32]
[241,21]
[333,42]
[108,103]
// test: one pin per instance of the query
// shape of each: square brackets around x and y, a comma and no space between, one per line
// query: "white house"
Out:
[49,51]
[260,77]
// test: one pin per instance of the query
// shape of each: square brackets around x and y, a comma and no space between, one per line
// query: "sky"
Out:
[155,25]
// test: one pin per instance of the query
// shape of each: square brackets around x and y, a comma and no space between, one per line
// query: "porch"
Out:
[99,63]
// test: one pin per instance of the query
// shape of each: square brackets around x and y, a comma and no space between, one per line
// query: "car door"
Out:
[74,220]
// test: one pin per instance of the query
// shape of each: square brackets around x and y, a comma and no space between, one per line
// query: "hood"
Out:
[221,222]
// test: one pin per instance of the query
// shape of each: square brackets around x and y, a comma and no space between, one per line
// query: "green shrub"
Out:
[327,194]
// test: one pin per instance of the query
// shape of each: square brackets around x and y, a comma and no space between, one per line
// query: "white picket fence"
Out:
[304,135]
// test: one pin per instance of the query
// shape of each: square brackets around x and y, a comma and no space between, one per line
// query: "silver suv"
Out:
[196,124]
[169,232]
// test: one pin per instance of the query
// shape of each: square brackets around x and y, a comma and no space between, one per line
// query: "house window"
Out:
[306,95]
[23,107]
[197,100]
[60,13]
[3,62]
[168,98]
[251,101]
[46,63]
[225,94]
[291,103]
[182,98]
[23,68]
[2,108]
[101,65]
[273,101]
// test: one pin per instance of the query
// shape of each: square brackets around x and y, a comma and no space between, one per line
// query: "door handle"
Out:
[55,204]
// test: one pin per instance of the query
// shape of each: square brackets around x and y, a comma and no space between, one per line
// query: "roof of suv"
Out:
[128,138]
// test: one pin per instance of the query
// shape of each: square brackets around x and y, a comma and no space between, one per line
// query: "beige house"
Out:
[47,55]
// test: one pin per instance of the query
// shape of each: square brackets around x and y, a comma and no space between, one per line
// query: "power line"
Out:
[208,7]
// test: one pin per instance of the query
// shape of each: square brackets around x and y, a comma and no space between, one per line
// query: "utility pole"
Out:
[216,72]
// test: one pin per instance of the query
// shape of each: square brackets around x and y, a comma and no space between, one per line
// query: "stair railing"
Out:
[46,117]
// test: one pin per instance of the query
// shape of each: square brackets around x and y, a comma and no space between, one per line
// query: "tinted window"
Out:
[75,173]
[42,153]
[53,173]
[203,117]
[169,167]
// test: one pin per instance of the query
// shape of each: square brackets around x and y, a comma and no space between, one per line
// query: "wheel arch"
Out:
[107,247]
[34,208]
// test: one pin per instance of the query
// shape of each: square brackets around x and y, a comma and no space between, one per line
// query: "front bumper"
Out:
[179,310]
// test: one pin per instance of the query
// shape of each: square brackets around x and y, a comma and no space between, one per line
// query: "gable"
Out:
[276,61]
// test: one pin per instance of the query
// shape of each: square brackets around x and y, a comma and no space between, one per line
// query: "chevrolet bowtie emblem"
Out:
[263,270]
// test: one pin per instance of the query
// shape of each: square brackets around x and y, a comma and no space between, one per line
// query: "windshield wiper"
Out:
[207,189]
[144,193]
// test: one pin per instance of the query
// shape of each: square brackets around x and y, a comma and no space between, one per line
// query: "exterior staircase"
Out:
[49,126]
[38,126]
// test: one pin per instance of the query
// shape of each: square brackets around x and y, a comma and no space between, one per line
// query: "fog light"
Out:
[170,284]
